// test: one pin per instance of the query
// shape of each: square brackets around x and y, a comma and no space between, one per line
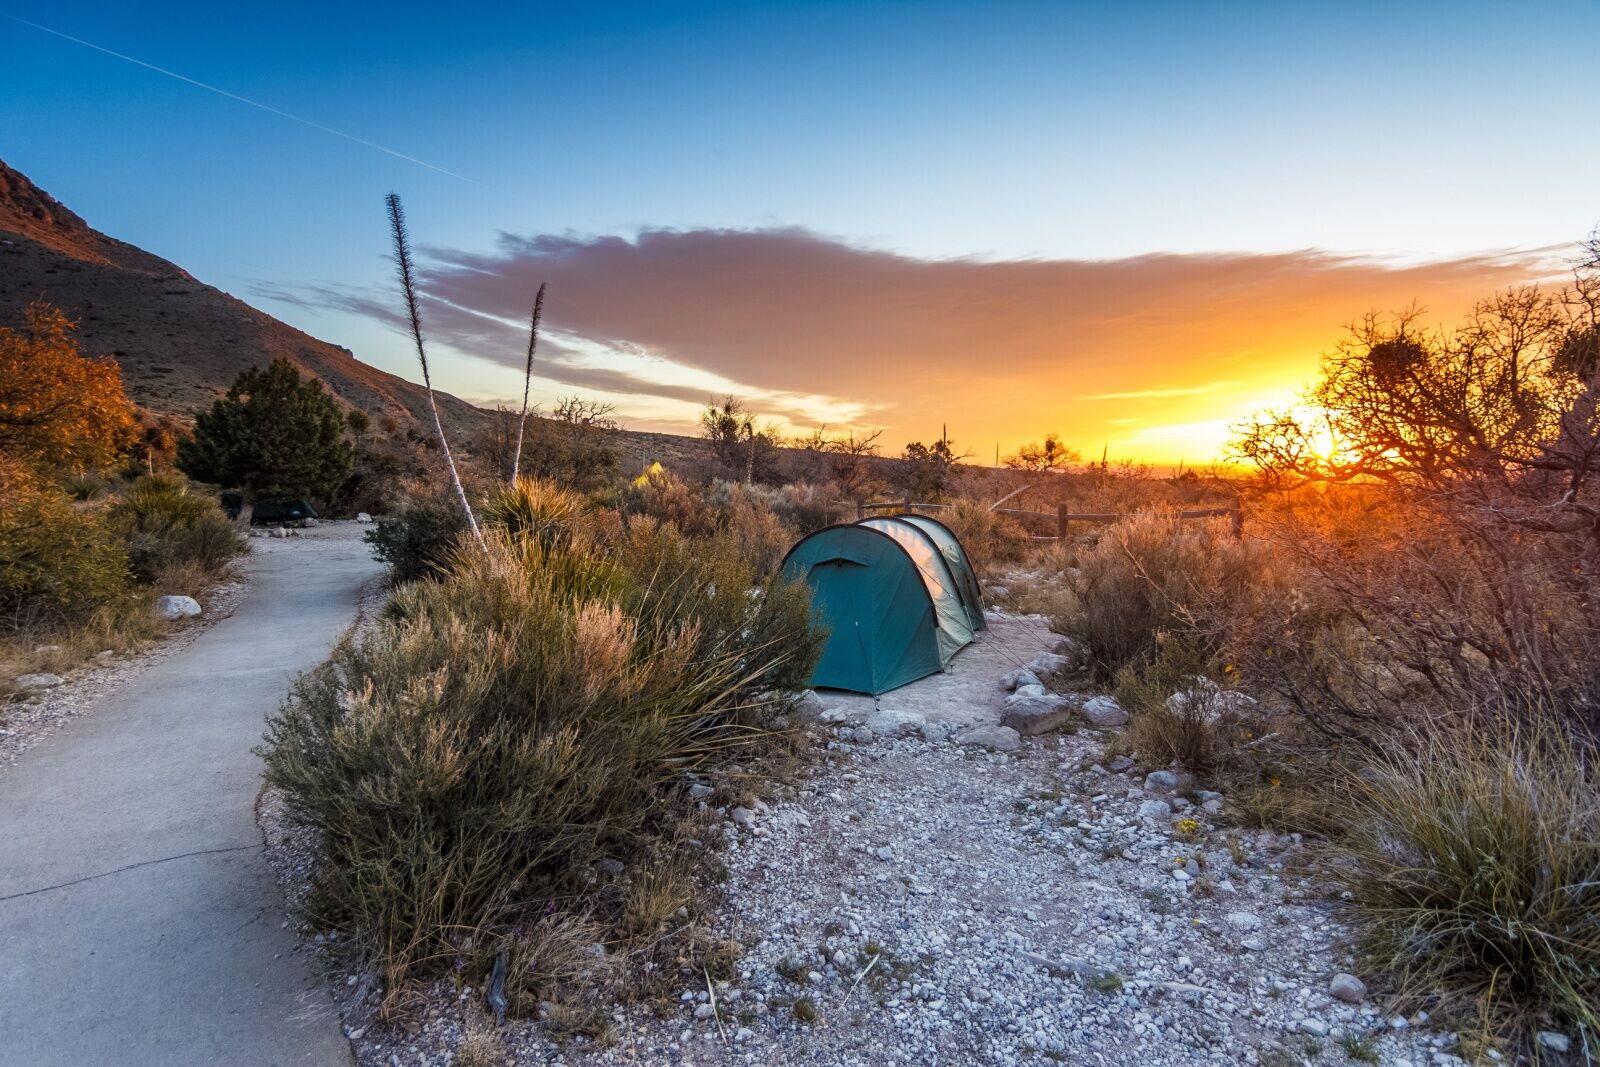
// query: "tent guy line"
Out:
[243,99]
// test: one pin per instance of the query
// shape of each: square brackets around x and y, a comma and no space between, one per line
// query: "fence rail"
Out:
[1063,517]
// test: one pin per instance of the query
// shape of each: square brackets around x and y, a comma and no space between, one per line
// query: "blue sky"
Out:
[1415,132]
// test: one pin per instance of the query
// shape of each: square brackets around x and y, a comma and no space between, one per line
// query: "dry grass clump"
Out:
[526,715]
[993,541]
[1474,862]
[1152,575]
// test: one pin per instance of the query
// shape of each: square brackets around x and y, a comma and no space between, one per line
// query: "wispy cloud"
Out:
[1168,394]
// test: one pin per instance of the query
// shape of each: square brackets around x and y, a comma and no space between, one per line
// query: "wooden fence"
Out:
[1063,518]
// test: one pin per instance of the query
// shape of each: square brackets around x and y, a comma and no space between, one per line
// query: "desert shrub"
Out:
[1474,866]
[1408,610]
[1154,574]
[504,727]
[171,528]
[58,561]
[58,406]
[661,496]
[751,516]
[1177,713]
[806,507]
[992,540]
[417,541]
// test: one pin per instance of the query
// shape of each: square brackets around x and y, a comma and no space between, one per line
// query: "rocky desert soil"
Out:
[941,890]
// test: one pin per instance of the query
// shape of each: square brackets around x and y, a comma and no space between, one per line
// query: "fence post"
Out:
[1061,521]
[906,504]
[861,511]
[1238,518]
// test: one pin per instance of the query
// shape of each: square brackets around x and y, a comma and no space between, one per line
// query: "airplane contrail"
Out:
[242,99]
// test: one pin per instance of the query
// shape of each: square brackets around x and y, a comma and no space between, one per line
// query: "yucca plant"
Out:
[408,290]
[527,380]
[1474,866]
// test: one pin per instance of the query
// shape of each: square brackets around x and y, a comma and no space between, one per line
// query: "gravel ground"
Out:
[921,899]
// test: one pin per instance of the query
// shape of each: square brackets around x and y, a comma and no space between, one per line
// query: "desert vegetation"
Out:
[504,775]
[1399,657]
[92,527]
[501,767]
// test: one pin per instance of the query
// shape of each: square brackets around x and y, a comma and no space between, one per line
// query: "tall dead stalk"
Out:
[527,380]
[402,258]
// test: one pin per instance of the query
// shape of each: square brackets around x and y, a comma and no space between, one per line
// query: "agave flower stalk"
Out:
[527,379]
[402,257]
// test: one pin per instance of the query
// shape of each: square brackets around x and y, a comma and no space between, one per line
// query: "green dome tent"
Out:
[891,599]
[955,557]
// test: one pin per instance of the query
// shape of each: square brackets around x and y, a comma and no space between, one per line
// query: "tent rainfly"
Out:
[898,595]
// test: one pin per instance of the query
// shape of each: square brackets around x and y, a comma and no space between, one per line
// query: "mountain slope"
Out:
[180,342]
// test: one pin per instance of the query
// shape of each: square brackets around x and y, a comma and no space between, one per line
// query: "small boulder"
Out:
[1119,764]
[1034,690]
[1168,781]
[742,816]
[1104,712]
[1014,680]
[1047,663]
[363,517]
[1348,988]
[1155,811]
[935,733]
[308,522]
[1030,714]
[1243,920]
[809,705]
[994,738]
[39,681]
[891,724]
[700,791]
[173,608]
[1553,1041]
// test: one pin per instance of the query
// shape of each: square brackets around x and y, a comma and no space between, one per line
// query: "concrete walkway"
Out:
[139,921]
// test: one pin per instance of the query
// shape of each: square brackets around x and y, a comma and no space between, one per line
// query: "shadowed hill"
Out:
[180,342]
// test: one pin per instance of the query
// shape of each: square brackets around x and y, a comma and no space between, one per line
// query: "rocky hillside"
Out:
[180,342]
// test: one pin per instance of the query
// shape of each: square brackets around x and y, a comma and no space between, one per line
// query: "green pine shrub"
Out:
[417,541]
[276,435]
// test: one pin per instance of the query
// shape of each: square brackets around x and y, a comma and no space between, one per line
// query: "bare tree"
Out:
[1047,455]
[742,444]
[850,461]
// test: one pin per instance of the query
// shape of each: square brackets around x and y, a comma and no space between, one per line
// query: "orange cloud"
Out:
[1154,355]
